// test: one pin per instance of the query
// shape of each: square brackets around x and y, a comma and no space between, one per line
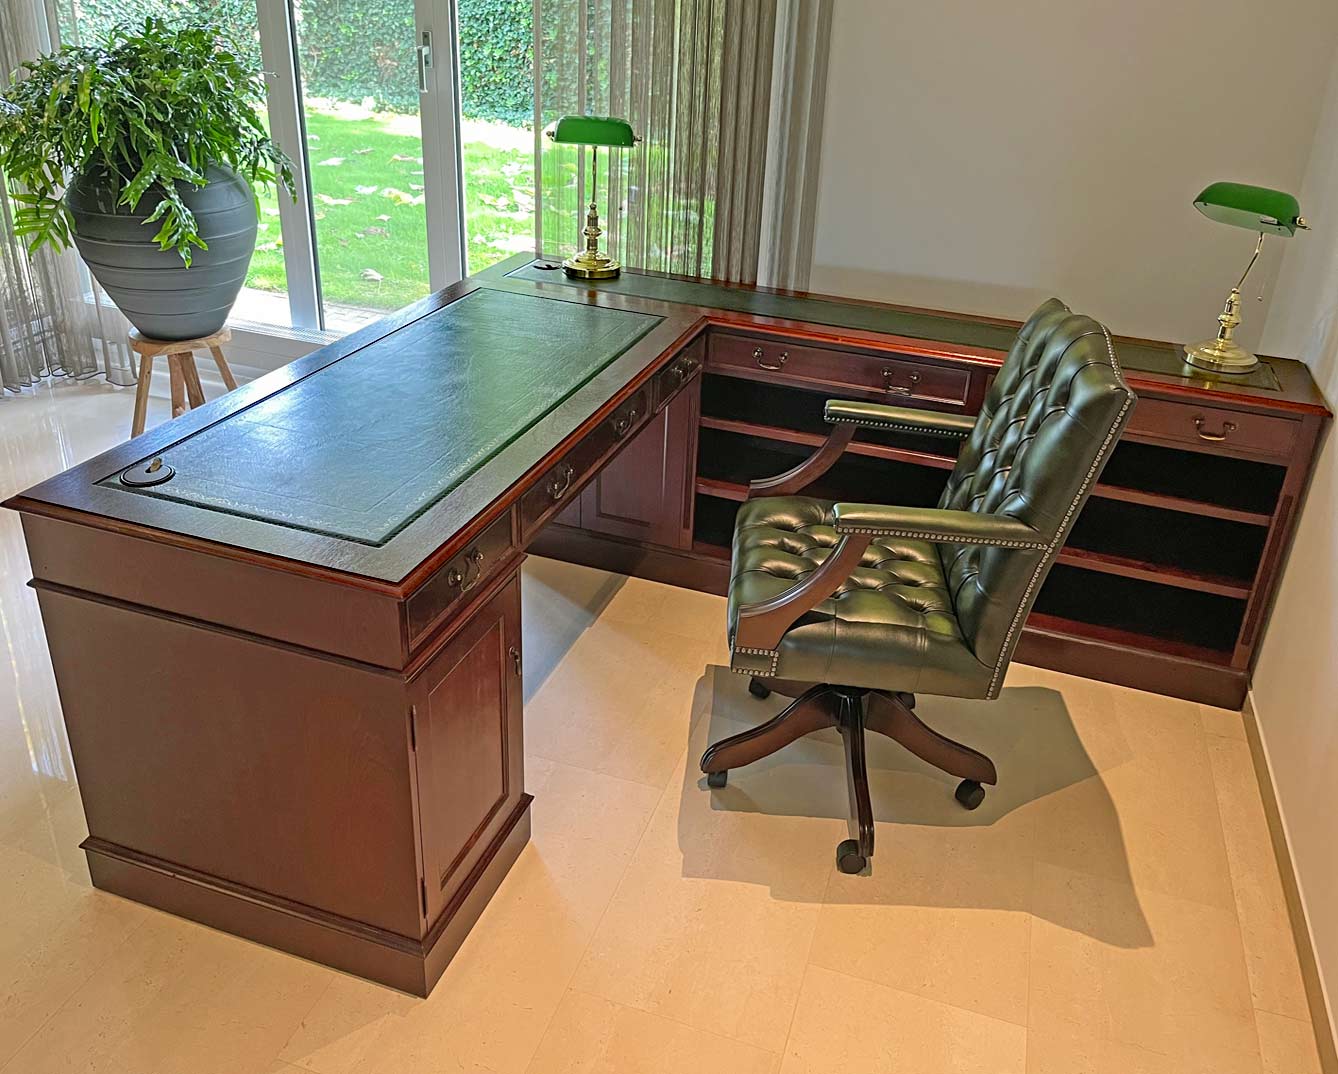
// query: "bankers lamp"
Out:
[1269,212]
[589,263]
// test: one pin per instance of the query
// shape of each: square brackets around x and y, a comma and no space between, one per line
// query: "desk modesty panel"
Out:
[291,671]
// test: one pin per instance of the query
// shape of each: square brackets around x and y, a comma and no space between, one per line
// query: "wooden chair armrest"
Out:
[808,471]
[762,624]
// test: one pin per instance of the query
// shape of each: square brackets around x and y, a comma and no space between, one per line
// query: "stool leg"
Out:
[178,385]
[191,375]
[224,370]
[142,395]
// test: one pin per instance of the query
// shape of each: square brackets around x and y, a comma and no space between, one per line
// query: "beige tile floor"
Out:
[1113,908]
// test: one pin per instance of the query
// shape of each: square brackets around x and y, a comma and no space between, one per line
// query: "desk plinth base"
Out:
[384,957]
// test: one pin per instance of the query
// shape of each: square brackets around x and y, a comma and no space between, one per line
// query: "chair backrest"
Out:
[1046,428]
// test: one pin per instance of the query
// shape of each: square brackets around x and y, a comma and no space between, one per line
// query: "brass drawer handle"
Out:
[899,389]
[781,359]
[558,486]
[1228,427]
[472,572]
[624,422]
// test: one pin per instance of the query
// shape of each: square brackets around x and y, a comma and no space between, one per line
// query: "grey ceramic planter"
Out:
[153,287]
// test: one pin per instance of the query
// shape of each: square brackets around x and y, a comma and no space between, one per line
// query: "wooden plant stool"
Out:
[186,390]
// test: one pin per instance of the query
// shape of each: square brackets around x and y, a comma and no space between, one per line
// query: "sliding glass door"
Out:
[362,93]
[363,99]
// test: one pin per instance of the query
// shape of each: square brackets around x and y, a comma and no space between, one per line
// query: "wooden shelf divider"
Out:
[1146,498]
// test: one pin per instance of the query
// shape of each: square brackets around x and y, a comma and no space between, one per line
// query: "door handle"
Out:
[424,54]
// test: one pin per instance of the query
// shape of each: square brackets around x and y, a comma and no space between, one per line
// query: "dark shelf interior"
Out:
[1165,616]
[737,400]
[1192,545]
[1213,479]
[713,523]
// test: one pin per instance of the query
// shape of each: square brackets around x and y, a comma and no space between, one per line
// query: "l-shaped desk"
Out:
[286,626]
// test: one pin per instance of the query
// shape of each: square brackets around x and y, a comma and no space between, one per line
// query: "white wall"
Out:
[982,156]
[1296,683]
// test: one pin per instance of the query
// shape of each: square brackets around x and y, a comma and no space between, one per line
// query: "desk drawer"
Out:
[896,376]
[1208,428]
[678,372]
[462,574]
[560,483]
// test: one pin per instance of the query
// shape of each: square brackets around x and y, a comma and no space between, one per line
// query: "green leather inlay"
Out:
[1163,358]
[363,446]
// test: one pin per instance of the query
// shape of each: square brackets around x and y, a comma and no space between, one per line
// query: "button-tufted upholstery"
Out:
[944,618]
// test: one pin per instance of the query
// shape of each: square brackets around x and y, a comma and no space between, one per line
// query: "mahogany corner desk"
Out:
[286,626]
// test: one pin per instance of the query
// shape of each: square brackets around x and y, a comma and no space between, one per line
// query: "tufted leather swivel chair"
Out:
[856,607]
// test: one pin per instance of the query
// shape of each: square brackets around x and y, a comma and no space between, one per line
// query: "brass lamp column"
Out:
[1269,212]
[590,263]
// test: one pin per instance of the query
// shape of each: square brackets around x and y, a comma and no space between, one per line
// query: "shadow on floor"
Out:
[566,599]
[930,851]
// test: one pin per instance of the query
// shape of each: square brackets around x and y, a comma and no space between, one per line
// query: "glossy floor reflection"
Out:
[1113,908]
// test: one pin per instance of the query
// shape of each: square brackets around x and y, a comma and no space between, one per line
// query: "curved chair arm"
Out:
[847,415]
[935,524]
[762,624]
[898,419]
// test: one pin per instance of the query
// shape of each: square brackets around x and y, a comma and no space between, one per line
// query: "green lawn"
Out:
[367,177]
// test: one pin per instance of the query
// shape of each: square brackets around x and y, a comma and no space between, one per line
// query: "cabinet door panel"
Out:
[467,715]
[645,494]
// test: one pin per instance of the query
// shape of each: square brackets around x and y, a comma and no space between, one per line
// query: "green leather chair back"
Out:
[1046,428]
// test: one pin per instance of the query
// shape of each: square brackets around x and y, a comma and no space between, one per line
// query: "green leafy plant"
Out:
[149,106]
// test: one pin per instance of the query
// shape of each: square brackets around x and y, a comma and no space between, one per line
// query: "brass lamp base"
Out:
[1220,356]
[583,266]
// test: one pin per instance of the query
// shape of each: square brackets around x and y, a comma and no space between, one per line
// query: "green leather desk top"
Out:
[360,448]
[1146,357]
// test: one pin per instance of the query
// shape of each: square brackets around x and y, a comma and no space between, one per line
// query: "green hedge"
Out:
[352,49]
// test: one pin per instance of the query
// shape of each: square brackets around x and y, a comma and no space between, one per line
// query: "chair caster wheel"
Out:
[758,690]
[969,793]
[716,780]
[848,857]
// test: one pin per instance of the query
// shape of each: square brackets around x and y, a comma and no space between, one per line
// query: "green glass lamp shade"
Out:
[593,130]
[1256,208]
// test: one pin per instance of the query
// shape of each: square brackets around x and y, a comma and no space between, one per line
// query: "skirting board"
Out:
[1320,1017]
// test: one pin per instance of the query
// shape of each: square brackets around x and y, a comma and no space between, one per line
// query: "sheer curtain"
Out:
[728,102]
[48,328]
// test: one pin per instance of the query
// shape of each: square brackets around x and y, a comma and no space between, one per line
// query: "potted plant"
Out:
[139,149]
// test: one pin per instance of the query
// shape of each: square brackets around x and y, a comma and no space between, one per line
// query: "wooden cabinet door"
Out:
[467,743]
[646,493]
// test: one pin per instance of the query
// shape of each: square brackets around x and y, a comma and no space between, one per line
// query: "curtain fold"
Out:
[48,328]
[794,147]
[697,81]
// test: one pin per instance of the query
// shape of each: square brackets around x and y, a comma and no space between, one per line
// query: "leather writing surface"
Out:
[1146,357]
[361,447]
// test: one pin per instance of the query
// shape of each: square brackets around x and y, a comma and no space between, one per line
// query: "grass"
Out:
[371,225]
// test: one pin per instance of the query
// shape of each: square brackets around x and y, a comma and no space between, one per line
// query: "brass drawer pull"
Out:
[472,572]
[624,422]
[1228,427]
[558,485]
[781,359]
[899,389]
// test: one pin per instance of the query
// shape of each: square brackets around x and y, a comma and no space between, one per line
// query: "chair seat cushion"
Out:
[889,626]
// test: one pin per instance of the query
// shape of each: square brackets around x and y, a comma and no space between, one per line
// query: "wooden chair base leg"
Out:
[889,715]
[853,854]
[811,711]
